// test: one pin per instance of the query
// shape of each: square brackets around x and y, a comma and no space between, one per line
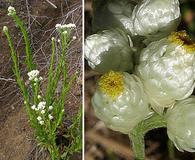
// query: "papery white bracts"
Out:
[120,101]
[180,124]
[155,19]
[167,69]
[109,50]
[33,75]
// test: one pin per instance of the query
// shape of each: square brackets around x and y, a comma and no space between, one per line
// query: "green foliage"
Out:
[46,112]
[74,135]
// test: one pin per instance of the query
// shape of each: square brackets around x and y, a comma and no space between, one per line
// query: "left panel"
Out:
[41,80]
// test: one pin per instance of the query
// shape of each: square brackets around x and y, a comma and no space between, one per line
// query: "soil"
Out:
[16,136]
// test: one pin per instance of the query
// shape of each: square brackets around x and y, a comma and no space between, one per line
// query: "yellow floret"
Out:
[112,84]
[182,38]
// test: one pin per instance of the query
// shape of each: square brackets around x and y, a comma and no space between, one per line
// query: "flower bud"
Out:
[109,50]
[180,126]
[167,69]
[155,19]
[120,101]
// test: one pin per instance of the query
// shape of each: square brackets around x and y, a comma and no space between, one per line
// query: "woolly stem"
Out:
[137,134]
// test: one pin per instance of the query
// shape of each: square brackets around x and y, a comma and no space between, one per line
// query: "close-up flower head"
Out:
[167,69]
[109,50]
[120,102]
[180,126]
[155,19]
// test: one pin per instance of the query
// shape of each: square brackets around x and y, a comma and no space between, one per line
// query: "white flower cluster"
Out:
[33,76]
[41,122]
[65,26]
[41,107]
[11,11]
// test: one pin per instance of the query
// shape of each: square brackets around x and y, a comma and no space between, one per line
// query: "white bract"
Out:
[120,101]
[33,75]
[109,50]
[155,19]
[167,69]
[180,126]
[11,11]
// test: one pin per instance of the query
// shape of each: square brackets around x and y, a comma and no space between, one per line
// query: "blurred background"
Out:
[102,143]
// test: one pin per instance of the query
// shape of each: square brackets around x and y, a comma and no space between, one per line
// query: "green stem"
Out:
[137,134]
[171,149]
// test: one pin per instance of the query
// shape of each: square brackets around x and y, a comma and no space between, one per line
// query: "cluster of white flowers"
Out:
[64,26]
[41,122]
[33,76]
[11,11]
[41,108]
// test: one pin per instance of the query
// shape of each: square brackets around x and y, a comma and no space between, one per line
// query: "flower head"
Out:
[50,108]
[74,37]
[63,27]
[180,126]
[109,50]
[39,118]
[120,101]
[5,29]
[33,75]
[155,19]
[50,116]
[11,11]
[167,69]
[33,107]
[41,105]
[43,111]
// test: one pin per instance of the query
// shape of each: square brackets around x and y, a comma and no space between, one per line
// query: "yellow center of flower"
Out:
[182,38]
[112,84]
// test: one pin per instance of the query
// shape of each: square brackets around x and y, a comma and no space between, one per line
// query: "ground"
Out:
[16,136]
